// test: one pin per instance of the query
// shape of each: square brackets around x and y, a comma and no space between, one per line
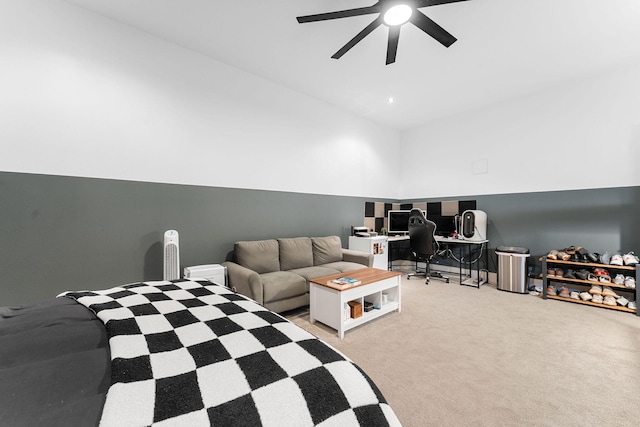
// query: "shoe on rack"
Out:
[586,296]
[551,290]
[600,272]
[553,254]
[597,298]
[559,272]
[593,256]
[574,295]
[551,272]
[630,282]
[605,258]
[592,277]
[616,259]
[609,301]
[570,274]
[608,292]
[630,259]
[618,280]
[604,279]
[595,290]
[564,292]
[632,305]
[622,301]
[564,256]
[582,274]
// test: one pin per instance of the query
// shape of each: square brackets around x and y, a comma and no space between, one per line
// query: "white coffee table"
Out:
[328,303]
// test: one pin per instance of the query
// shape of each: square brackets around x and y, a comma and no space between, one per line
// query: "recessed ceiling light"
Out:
[391,100]
[397,15]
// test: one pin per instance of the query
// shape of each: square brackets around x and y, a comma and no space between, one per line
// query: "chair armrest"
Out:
[245,281]
[360,257]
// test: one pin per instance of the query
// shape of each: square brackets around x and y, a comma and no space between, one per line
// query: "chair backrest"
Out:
[421,234]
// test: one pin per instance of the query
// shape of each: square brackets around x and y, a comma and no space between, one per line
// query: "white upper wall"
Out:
[578,135]
[85,96]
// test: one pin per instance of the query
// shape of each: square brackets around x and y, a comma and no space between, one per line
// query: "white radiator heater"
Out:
[171,255]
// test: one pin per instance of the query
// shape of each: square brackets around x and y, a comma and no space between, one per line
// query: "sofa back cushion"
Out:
[261,256]
[326,249]
[295,253]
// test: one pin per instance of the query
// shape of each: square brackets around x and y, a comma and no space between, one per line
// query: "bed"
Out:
[183,352]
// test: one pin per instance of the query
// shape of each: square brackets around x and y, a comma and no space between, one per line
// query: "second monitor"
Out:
[398,222]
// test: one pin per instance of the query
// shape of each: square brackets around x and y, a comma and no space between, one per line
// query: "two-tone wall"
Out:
[111,136]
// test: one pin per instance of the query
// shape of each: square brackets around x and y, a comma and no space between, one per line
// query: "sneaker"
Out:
[608,292]
[604,279]
[632,305]
[609,301]
[582,274]
[553,254]
[630,259]
[551,272]
[595,290]
[564,292]
[592,277]
[630,282]
[559,272]
[616,259]
[622,301]
[586,296]
[570,274]
[605,258]
[618,280]
[551,290]
[574,295]
[597,299]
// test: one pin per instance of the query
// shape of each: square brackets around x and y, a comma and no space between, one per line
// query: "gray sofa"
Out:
[276,272]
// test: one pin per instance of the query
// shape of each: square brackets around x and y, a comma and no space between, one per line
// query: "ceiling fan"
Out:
[392,13]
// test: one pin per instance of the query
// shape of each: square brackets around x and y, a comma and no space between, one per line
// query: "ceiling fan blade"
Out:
[427,25]
[425,3]
[362,34]
[339,14]
[392,44]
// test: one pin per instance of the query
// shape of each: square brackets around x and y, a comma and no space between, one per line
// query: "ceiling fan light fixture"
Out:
[397,15]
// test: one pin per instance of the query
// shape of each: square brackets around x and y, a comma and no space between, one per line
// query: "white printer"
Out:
[215,273]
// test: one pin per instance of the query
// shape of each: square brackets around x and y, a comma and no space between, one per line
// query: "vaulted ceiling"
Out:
[505,48]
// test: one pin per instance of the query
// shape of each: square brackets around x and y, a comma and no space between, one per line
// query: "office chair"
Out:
[423,244]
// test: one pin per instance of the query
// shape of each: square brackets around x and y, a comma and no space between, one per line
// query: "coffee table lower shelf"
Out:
[329,305]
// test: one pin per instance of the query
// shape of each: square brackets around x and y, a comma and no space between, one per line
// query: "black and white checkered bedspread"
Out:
[195,353]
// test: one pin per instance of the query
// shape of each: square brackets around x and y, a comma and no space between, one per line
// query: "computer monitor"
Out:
[445,225]
[398,221]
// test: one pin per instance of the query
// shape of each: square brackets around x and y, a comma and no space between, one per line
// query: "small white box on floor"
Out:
[215,273]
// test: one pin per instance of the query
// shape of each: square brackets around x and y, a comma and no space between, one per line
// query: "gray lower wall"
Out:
[597,219]
[65,233]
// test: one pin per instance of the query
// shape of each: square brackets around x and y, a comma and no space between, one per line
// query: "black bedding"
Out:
[174,353]
[54,365]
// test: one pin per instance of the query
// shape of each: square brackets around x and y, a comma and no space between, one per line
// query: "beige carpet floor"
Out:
[461,356]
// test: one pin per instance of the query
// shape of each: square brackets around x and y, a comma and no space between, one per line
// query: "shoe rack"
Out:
[626,270]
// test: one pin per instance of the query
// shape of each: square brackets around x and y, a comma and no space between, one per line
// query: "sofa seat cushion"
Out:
[295,253]
[343,266]
[279,285]
[261,256]
[326,249]
[317,271]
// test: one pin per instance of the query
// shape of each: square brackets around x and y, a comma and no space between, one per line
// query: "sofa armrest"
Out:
[360,257]
[245,281]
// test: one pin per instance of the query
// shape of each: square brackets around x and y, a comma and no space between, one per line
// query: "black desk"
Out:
[465,262]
